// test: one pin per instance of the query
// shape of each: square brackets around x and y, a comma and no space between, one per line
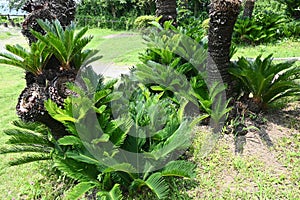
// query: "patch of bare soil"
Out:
[262,143]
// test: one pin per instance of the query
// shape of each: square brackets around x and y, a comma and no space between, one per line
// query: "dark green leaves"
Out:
[267,81]
[66,45]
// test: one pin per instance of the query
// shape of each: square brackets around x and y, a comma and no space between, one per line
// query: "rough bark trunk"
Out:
[167,10]
[248,8]
[51,84]
[223,15]
[63,10]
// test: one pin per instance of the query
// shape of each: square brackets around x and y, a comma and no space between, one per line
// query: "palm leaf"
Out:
[80,34]
[23,149]
[70,140]
[123,167]
[46,25]
[15,63]
[180,168]
[32,126]
[158,185]
[83,157]
[29,158]
[79,190]
[17,50]
[21,136]
[114,194]
[59,31]
[80,171]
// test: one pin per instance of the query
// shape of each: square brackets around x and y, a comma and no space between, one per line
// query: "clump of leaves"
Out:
[103,149]
[265,81]
[66,45]
[33,60]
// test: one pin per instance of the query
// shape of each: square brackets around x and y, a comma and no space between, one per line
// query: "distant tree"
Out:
[116,8]
[166,9]
[16,4]
[292,8]
[248,8]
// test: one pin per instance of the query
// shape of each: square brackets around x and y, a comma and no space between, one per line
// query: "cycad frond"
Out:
[158,185]
[24,149]
[66,45]
[32,126]
[33,61]
[27,137]
[79,190]
[29,158]
[79,171]
[114,194]
[17,50]
[180,168]
[268,82]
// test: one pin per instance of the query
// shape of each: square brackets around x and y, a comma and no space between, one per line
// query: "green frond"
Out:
[59,114]
[21,136]
[59,49]
[118,130]
[59,31]
[14,63]
[180,168]
[32,61]
[24,149]
[17,50]
[32,126]
[79,171]
[80,34]
[178,140]
[29,158]
[78,46]
[123,167]
[79,190]
[46,25]
[158,185]
[65,44]
[70,140]
[114,194]
[83,158]
[267,81]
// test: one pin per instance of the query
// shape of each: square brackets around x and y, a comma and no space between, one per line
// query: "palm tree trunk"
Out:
[167,10]
[223,15]
[248,8]
[63,10]
[30,105]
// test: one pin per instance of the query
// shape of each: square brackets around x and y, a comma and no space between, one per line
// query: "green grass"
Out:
[15,179]
[283,49]
[225,175]
[118,47]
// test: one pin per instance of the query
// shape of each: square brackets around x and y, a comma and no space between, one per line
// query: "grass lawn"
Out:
[282,49]
[261,173]
[119,47]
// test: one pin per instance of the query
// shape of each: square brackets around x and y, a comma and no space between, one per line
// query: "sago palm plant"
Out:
[65,44]
[77,154]
[266,81]
[50,63]
[127,134]
[33,60]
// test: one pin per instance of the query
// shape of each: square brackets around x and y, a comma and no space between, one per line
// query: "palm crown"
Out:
[267,81]
[66,45]
[32,60]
